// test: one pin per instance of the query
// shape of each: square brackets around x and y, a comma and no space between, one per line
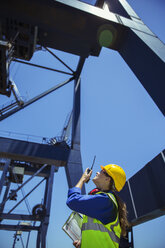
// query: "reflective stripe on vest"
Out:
[90,225]
[102,235]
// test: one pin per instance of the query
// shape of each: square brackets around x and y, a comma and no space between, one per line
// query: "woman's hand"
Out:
[84,178]
[77,243]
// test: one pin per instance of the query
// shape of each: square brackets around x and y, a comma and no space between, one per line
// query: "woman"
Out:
[104,214]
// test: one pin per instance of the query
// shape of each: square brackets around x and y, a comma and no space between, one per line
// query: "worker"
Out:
[104,213]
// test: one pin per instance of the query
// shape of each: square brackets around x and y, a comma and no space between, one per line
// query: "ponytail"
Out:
[124,224]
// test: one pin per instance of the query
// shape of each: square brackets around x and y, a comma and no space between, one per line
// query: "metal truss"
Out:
[121,28]
[19,104]
[40,212]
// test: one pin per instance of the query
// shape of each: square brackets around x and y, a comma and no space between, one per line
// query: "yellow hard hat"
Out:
[117,173]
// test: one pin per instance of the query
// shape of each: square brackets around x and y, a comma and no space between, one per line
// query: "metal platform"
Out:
[34,152]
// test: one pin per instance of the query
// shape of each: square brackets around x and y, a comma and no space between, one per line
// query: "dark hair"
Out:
[124,224]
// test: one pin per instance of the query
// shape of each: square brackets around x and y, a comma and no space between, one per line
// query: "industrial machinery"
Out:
[27,26]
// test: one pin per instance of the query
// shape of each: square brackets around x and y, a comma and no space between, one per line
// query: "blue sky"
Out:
[119,123]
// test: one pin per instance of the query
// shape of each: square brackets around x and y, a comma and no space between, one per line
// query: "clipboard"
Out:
[72,226]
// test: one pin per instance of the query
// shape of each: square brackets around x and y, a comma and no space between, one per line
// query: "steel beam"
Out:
[28,170]
[47,203]
[76,105]
[57,29]
[38,239]
[26,196]
[19,217]
[143,201]
[5,88]
[48,191]
[42,229]
[18,228]
[62,62]
[144,55]
[74,168]
[34,99]
[21,186]
[122,8]
[5,196]
[33,152]
[4,173]
[42,67]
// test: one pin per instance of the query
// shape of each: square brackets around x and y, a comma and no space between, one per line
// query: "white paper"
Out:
[73,226]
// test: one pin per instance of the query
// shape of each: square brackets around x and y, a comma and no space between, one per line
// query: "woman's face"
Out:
[101,179]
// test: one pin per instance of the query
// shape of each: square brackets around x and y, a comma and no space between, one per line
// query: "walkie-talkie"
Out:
[91,167]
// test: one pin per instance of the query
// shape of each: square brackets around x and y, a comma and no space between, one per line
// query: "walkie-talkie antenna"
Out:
[93,162]
[91,167]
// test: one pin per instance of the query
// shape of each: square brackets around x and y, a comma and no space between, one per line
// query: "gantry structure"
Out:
[81,29]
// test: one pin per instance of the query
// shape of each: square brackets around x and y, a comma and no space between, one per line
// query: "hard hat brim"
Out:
[108,172]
